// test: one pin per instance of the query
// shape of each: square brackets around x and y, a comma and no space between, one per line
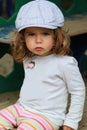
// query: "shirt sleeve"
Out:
[76,88]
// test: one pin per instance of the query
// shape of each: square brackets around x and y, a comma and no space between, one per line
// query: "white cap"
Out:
[39,13]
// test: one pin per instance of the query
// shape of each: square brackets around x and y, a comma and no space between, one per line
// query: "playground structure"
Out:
[75,21]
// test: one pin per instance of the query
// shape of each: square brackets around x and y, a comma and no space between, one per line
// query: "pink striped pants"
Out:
[16,116]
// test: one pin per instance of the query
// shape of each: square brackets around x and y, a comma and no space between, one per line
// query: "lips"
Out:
[38,48]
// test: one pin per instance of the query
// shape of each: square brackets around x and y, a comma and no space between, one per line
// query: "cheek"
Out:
[50,44]
[28,45]
[28,42]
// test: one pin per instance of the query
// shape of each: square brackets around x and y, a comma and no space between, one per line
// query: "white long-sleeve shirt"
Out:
[46,87]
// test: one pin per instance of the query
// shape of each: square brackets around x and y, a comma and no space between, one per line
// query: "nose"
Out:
[38,39]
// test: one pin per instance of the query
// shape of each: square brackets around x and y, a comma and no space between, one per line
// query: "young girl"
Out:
[50,73]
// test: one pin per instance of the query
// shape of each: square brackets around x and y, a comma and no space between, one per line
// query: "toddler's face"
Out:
[39,40]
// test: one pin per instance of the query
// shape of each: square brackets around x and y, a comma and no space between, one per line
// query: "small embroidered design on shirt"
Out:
[30,65]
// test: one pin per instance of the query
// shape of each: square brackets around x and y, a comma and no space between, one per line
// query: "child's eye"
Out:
[46,33]
[31,34]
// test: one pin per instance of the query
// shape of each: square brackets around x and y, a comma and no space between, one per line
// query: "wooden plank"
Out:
[76,24]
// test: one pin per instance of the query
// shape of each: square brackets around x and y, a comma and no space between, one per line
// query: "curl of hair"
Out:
[62,42]
[61,45]
[19,49]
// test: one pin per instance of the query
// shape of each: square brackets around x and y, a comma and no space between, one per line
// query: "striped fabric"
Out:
[16,116]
